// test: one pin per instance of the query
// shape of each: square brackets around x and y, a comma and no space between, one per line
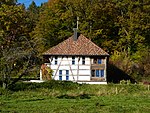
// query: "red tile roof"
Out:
[82,46]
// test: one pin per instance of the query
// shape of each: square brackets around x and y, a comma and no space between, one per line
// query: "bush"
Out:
[59,85]
[125,82]
[4,91]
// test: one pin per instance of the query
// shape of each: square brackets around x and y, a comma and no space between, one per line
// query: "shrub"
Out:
[52,84]
[125,82]
[4,91]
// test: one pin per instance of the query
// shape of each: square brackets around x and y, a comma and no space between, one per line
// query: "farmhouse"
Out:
[77,59]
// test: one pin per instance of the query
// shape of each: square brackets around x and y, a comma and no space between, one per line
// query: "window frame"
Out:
[60,74]
[99,61]
[56,60]
[67,74]
[95,61]
[102,73]
[93,73]
[73,60]
[83,60]
[97,73]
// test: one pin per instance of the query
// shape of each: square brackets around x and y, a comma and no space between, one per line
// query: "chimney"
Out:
[75,36]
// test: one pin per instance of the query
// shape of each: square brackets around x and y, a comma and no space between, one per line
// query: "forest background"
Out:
[120,27]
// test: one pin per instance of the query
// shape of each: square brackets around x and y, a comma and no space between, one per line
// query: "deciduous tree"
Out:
[17,53]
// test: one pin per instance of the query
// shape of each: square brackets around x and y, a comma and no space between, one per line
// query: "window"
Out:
[67,74]
[99,61]
[93,73]
[99,73]
[83,60]
[95,61]
[60,74]
[56,60]
[73,60]
[102,73]
[60,77]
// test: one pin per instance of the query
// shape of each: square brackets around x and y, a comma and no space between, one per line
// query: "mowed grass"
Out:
[75,98]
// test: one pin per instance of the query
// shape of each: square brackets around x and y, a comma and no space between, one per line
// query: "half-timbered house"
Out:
[77,59]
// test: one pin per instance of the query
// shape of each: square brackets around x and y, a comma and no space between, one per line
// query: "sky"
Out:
[28,2]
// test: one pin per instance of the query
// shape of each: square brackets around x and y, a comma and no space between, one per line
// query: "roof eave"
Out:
[72,55]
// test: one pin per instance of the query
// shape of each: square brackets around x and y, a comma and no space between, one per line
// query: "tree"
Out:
[33,15]
[133,23]
[18,55]
[118,26]
[58,18]
[54,24]
[8,2]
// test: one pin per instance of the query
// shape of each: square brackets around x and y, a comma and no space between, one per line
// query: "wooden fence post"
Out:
[116,90]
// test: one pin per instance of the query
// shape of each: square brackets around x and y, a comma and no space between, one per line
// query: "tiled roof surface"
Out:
[82,46]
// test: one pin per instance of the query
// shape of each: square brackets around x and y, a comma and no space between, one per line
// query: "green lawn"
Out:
[84,99]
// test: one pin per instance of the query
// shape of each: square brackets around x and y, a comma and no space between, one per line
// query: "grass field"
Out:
[74,98]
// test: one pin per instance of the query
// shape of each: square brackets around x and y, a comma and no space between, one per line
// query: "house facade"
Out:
[77,59]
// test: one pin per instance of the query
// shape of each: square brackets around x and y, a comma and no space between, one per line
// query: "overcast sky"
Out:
[28,2]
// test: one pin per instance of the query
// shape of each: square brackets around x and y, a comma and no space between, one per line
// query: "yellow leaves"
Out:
[139,38]
[99,31]
[51,3]
[11,15]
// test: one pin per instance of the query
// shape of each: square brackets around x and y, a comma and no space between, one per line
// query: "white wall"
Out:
[65,63]
[78,71]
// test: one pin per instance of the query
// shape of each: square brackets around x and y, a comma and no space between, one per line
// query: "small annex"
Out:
[77,59]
